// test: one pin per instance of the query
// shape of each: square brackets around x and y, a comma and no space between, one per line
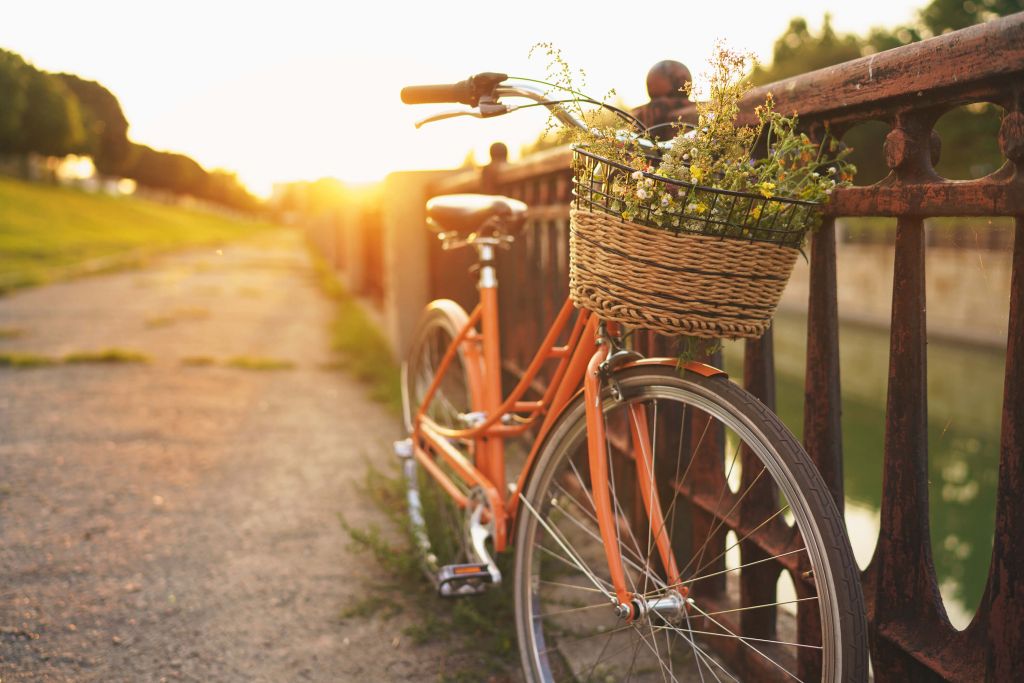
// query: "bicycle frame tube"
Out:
[432,440]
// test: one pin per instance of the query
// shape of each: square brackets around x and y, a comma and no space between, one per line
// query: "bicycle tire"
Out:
[565,621]
[443,520]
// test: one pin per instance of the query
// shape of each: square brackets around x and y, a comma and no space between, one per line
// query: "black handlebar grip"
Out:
[461,92]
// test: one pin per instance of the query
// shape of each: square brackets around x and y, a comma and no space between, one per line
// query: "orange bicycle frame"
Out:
[579,362]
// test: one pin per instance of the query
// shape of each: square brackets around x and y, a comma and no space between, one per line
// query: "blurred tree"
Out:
[105,125]
[224,188]
[165,170]
[943,16]
[52,122]
[179,174]
[14,73]
[798,50]
[968,133]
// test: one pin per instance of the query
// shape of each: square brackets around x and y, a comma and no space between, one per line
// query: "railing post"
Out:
[823,436]
[1003,603]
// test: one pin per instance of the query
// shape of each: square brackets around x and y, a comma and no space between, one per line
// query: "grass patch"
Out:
[106,356]
[25,360]
[259,363]
[49,232]
[11,332]
[177,315]
[363,351]
[487,619]
[197,361]
[482,626]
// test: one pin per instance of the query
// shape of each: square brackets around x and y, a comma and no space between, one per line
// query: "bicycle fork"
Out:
[629,606]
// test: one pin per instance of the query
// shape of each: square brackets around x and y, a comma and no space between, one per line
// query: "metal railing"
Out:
[909,88]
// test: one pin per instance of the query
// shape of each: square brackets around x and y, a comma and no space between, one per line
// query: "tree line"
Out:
[56,114]
[969,134]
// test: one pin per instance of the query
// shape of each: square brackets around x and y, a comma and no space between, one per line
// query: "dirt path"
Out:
[178,520]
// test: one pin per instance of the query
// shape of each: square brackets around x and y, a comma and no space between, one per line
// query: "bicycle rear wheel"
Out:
[743,506]
[443,521]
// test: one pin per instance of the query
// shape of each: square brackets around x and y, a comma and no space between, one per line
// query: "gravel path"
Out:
[177,521]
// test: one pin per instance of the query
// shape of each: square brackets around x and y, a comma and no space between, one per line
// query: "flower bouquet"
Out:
[700,239]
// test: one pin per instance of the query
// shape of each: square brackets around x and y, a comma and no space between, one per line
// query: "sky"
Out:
[281,91]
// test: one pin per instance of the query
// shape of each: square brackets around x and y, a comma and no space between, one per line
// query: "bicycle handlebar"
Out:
[469,91]
[482,92]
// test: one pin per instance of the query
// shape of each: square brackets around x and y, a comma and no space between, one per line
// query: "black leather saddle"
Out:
[483,214]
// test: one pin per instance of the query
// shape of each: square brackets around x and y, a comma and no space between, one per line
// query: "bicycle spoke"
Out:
[576,561]
[744,641]
[691,581]
[716,446]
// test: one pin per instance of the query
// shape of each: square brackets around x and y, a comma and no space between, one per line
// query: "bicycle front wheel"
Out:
[767,587]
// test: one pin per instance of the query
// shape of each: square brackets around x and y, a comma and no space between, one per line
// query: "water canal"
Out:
[964,410]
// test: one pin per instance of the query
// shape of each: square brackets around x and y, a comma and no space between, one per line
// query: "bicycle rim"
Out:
[743,506]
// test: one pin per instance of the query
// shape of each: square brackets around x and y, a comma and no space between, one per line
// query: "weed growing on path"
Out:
[363,349]
[483,623]
[259,363]
[24,360]
[198,361]
[177,315]
[113,355]
[15,359]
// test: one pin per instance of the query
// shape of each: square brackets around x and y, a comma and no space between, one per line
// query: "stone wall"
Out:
[967,290]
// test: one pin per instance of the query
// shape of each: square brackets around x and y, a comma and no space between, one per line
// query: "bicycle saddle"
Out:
[484,214]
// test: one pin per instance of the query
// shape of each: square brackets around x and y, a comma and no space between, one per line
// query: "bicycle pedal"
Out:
[456,580]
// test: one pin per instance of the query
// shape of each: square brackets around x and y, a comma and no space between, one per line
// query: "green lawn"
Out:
[49,232]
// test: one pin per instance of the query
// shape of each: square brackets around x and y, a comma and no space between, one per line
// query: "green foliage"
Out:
[60,114]
[52,122]
[106,128]
[38,113]
[797,51]
[969,147]
[13,94]
[943,16]
[51,232]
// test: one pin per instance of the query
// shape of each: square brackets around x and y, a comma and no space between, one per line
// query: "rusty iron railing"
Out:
[909,88]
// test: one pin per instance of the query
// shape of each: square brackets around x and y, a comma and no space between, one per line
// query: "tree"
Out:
[943,16]
[165,171]
[52,121]
[968,133]
[14,73]
[105,124]
[798,50]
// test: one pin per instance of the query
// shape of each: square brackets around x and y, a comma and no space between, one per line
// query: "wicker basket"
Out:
[691,274]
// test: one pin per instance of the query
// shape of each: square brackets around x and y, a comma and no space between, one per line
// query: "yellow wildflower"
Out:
[766,189]
[696,173]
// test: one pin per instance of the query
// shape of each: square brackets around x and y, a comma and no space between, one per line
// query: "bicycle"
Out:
[620,516]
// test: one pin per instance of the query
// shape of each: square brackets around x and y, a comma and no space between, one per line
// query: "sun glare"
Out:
[308,90]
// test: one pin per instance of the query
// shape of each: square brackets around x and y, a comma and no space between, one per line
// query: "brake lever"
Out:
[485,110]
[448,115]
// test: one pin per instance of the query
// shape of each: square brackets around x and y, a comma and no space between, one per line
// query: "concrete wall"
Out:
[967,290]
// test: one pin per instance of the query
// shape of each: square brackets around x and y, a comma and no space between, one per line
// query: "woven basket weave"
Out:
[673,283]
[708,262]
